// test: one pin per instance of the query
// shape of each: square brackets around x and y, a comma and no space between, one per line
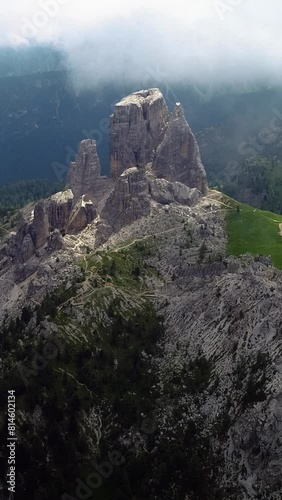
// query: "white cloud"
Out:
[205,39]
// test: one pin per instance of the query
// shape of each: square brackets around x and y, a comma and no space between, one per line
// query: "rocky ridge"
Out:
[151,152]
[219,374]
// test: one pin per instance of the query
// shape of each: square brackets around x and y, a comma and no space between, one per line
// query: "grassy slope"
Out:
[254,231]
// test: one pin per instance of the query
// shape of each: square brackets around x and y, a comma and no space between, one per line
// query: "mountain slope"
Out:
[146,361]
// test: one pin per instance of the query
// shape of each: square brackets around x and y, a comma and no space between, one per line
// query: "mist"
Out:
[216,42]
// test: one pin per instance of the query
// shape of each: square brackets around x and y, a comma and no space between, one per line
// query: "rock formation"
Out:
[84,176]
[178,156]
[129,200]
[59,210]
[145,135]
[82,214]
[137,127]
[166,192]
[40,226]
[85,172]
[154,156]
[52,219]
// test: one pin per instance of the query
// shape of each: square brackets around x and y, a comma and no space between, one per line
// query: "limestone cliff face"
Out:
[145,135]
[59,210]
[129,199]
[82,214]
[53,217]
[137,127]
[178,156]
[154,157]
[85,171]
[40,226]
[166,192]
[84,176]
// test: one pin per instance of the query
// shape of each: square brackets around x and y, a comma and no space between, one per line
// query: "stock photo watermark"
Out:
[103,471]
[224,7]
[254,146]
[33,25]
[40,360]
[11,443]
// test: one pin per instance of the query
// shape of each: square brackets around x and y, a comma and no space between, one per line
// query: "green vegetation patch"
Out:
[18,194]
[254,231]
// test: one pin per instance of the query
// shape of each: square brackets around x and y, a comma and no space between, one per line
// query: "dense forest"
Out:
[18,194]
[258,182]
[107,376]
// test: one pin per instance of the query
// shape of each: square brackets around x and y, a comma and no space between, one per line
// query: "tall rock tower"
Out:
[144,134]
[136,129]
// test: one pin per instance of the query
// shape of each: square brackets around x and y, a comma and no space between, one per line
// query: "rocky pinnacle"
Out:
[145,135]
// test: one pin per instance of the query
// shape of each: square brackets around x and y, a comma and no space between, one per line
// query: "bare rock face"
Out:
[14,244]
[178,156]
[59,210]
[129,199]
[27,248]
[83,214]
[145,135]
[24,271]
[154,156]
[161,191]
[166,192]
[84,176]
[136,126]
[40,226]
[103,232]
[86,169]
[55,241]
[185,195]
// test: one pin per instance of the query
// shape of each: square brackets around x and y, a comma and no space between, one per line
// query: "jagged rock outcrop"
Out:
[84,176]
[55,241]
[52,219]
[129,199]
[20,247]
[85,171]
[216,381]
[24,271]
[178,156]
[82,214]
[103,233]
[137,127]
[154,156]
[40,226]
[166,192]
[27,247]
[59,210]
[145,135]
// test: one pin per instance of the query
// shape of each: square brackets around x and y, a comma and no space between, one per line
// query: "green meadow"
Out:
[254,231]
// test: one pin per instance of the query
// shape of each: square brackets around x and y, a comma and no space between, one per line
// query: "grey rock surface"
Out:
[166,192]
[59,208]
[84,176]
[136,129]
[85,172]
[40,226]
[129,199]
[144,134]
[178,156]
[82,214]
[55,241]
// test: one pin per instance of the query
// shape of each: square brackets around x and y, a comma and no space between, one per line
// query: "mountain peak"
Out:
[154,158]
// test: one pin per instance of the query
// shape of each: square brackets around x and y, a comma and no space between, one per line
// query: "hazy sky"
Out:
[207,40]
